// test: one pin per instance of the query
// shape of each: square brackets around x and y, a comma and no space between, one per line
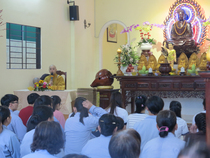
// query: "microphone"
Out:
[51,75]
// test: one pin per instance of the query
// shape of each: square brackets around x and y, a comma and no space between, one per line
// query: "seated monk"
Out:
[54,79]
[181,32]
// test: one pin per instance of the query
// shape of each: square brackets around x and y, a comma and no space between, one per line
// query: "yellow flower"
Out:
[36,83]
[30,88]
[41,81]
[49,87]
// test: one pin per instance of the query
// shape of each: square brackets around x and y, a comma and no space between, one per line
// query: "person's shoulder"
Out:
[121,109]
[8,133]
[25,109]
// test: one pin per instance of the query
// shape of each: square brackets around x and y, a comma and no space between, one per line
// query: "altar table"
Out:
[67,96]
[162,86]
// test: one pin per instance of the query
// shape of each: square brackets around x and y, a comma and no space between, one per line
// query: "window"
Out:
[23,47]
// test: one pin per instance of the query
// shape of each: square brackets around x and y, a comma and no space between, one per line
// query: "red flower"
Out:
[44,86]
[34,86]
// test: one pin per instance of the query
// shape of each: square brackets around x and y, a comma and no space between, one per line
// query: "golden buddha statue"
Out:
[182,62]
[203,62]
[193,60]
[161,60]
[142,62]
[152,63]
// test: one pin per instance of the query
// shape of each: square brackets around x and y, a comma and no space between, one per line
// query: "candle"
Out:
[182,69]
[150,70]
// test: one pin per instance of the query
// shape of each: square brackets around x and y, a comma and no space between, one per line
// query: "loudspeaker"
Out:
[74,12]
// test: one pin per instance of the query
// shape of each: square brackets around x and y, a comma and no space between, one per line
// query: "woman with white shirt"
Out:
[116,105]
[47,140]
[139,113]
[79,125]
[182,130]
[41,113]
[9,142]
[166,145]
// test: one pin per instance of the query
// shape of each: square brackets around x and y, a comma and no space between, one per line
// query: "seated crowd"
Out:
[41,131]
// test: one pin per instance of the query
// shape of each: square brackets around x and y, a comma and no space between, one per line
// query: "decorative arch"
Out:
[103,29]
[195,17]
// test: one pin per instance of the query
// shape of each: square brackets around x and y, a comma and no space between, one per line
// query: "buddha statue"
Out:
[142,62]
[152,63]
[203,62]
[182,62]
[161,60]
[182,35]
[193,60]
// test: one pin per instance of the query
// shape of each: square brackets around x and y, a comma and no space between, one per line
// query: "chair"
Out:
[62,73]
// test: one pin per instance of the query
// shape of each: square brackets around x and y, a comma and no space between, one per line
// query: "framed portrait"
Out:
[112,33]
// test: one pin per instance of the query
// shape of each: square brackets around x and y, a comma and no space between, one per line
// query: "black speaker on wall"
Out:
[74,12]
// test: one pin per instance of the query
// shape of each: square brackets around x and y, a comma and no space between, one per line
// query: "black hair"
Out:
[55,100]
[107,122]
[32,98]
[120,123]
[200,121]
[43,100]
[166,121]
[115,100]
[176,107]
[155,104]
[7,99]
[204,104]
[125,144]
[83,111]
[4,113]
[48,136]
[140,103]
[40,113]
[75,156]
[197,150]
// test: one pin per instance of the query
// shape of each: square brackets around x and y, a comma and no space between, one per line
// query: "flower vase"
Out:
[145,47]
[123,68]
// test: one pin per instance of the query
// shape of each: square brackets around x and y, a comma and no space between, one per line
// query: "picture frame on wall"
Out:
[112,33]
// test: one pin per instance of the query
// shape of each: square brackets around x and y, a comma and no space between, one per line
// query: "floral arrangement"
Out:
[41,86]
[128,56]
[145,33]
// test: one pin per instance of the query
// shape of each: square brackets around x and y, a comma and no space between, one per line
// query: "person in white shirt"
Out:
[40,113]
[147,127]
[204,111]
[116,105]
[139,113]
[47,140]
[98,147]
[166,145]
[9,142]
[80,124]
[182,130]
[16,125]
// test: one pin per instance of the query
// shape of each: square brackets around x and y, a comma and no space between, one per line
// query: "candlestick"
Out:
[119,72]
